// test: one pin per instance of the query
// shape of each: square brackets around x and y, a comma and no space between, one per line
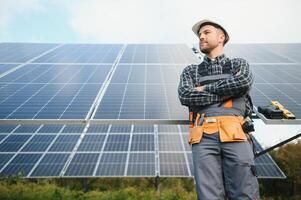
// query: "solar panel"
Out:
[51,165]
[111,164]
[6,67]
[82,164]
[115,81]
[161,151]
[255,53]
[22,52]
[157,53]
[92,143]
[38,143]
[82,53]
[13,143]
[141,164]
[51,91]
[136,93]
[291,51]
[21,164]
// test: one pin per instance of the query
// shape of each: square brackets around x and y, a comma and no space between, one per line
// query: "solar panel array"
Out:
[102,81]
[103,151]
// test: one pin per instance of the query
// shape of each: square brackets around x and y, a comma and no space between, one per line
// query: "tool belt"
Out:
[229,128]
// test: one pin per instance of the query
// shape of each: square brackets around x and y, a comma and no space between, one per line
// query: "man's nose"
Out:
[201,36]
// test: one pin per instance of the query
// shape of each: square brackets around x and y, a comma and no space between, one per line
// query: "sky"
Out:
[147,21]
[154,21]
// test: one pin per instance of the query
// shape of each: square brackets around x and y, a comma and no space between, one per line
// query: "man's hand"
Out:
[200,88]
[238,73]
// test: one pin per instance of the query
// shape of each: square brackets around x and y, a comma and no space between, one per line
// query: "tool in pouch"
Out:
[196,132]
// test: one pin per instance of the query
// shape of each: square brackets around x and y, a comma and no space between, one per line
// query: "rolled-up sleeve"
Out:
[187,93]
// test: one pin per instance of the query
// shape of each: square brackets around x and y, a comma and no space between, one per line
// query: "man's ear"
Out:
[222,37]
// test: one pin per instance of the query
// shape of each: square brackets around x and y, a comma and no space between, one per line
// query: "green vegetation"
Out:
[288,158]
[15,188]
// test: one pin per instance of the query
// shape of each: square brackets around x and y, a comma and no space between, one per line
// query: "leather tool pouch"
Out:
[195,134]
[231,130]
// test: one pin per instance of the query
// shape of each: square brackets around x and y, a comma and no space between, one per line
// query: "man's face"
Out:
[210,38]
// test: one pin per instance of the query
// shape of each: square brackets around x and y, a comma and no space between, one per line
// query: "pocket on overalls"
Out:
[195,134]
[231,132]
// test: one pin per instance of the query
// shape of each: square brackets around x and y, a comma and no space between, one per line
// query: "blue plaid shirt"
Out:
[239,81]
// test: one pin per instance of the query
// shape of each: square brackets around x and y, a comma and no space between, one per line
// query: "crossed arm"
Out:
[237,84]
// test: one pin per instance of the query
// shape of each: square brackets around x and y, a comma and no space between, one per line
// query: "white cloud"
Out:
[11,9]
[171,20]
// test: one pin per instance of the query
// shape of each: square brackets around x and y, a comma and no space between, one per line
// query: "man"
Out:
[216,92]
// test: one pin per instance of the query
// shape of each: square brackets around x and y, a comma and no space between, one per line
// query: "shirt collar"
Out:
[218,60]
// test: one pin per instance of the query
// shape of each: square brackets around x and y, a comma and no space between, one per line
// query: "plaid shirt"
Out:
[239,81]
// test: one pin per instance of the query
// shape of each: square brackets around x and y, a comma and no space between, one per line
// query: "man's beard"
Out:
[207,49]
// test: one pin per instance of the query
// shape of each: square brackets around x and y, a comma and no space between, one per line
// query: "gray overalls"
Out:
[224,170]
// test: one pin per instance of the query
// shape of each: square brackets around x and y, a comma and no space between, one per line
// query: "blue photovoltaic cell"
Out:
[98,128]
[73,128]
[143,92]
[120,128]
[92,143]
[13,143]
[143,129]
[21,164]
[173,164]
[117,143]
[27,129]
[82,53]
[290,51]
[71,101]
[7,128]
[111,164]
[143,142]
[51,91]
[64,143]
[167,128]
[141,164]
[35,73]
[2,136]
[82,164]
[158,53]
[50,128]
[170,142]
[38,143]
[22,52]
[6,67]
[254,53]
[4,158]
[51,165]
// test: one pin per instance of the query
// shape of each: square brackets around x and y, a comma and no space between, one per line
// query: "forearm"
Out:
[193,97]
[237,84]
